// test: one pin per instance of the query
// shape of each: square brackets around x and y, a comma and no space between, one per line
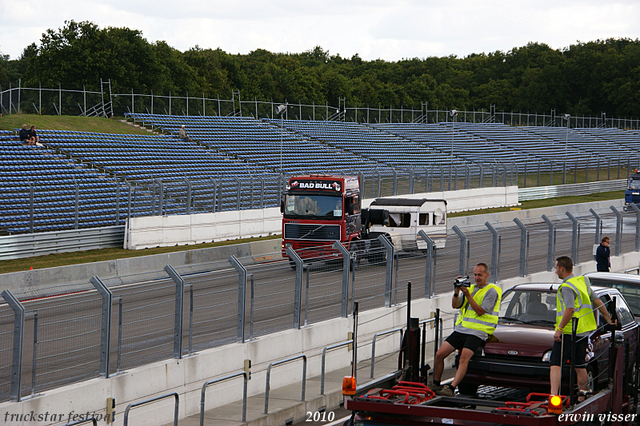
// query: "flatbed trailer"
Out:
[392,401]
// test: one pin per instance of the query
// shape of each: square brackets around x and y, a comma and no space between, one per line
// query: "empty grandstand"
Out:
[80,180]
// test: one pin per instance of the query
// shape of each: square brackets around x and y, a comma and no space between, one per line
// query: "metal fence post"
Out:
[18,344]
[105,335]
[395,182]
[297,301]
[551,246]
[346,267]
[481,175]
[496,248]
[261,179]
[637,210]
[619,223]
[467,176]
[575,238]
[76,210]
[117,202]
[411,181]
[31,207]
[242,295]
[389,275]
[214,193]
[524,247]
[430,270]
[160,197]
[179,311]
[239,192]
[464,251]
[188,195]
[598,231]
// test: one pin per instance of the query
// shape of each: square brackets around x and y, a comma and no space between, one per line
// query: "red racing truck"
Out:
[318,210]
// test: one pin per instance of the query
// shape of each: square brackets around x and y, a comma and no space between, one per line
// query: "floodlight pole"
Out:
[567,117]
[454,114]
[281,109]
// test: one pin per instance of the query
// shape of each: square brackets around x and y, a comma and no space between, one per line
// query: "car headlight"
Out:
[547,356]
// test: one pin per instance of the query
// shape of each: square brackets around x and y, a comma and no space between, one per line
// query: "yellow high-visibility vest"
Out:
[583,309]
[486,322]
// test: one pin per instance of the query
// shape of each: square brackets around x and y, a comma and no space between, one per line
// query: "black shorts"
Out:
[460,340]
[581,351]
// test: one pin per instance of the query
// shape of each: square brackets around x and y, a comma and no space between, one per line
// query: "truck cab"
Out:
[632,193]
[318,210]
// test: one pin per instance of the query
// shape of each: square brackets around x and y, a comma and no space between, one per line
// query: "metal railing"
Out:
[284,361]
[212,382]
[176,406]
[106,102]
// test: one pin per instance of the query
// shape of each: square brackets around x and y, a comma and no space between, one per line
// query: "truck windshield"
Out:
[313,206]
[634,184]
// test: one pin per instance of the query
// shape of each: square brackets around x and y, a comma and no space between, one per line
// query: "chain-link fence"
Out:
[73,333]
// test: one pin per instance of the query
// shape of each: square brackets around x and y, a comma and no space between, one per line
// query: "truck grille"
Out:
[296,231]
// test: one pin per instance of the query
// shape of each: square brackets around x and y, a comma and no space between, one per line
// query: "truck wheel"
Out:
[467,389]
[292,264]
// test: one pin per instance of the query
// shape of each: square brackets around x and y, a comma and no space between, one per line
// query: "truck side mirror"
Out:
[281,206]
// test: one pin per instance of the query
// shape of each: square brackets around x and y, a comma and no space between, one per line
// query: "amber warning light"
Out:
[349,385]
[555,405]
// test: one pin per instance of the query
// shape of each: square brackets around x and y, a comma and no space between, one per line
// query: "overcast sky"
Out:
[374,29]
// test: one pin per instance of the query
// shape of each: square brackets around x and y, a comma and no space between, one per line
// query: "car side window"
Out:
[608,303]
[624,313]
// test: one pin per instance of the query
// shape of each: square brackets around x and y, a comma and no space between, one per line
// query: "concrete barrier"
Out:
[167,231]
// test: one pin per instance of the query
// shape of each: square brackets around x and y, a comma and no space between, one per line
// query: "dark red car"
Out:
[517,354]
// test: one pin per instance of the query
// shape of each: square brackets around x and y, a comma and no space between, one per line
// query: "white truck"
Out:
[402,218]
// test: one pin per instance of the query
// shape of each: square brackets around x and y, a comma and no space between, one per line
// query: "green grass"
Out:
[54,122]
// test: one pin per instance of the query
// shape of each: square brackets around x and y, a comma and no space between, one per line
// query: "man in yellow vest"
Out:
[479,305]
[574,299]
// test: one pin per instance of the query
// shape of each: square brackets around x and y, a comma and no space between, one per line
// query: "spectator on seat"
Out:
[24,135]
[182,134]
[33,136]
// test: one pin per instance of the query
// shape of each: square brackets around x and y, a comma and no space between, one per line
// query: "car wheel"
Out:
[467,389]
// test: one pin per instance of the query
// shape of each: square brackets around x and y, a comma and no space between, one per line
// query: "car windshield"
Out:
[528,306]
[313,206]
[634,184]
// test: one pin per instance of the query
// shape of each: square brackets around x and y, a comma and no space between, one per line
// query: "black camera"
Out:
[462,282]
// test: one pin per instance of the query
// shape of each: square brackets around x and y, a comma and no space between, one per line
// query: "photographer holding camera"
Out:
[479,304]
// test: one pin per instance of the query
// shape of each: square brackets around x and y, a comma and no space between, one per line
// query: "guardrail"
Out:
[324,356]
[543,192]
[211,382]
[373,345]
[42,243]
[268,387]
[157,398]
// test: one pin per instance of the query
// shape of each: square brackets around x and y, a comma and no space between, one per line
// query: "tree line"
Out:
[583,79]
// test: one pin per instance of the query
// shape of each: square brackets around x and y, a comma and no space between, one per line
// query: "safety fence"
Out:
[189,196]
[57,336]
[109,101]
